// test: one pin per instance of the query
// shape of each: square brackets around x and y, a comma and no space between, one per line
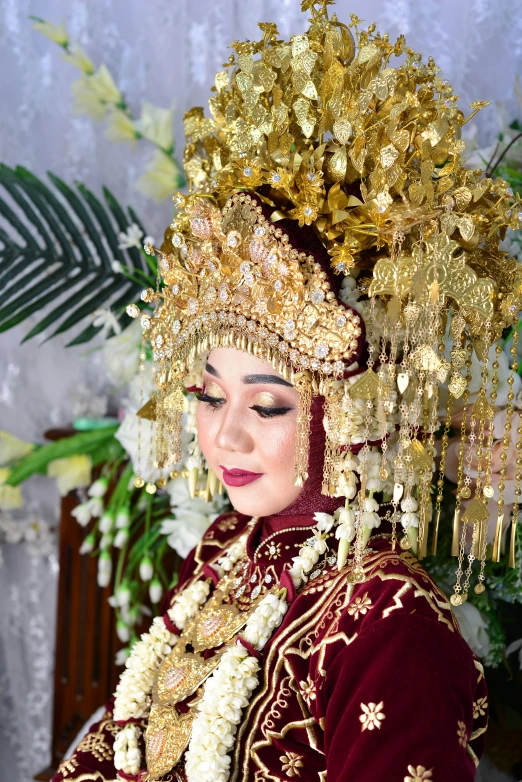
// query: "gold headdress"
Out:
[401,258]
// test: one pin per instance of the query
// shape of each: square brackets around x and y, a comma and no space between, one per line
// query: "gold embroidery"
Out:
[472,755]
[308,689]
[292,762]
[418,774]
[480,669]
[66,767]
[361,605]
[479,707]
[462,734]
[94,744]
[371,716]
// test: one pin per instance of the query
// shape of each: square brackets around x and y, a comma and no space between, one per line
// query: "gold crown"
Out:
[238,277]
[322,130]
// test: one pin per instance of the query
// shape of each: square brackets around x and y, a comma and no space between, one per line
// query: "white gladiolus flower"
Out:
[71,472]
[12,448]
[155,124]
[98,488]
[57,33]
[120,127]
[371,505]
[104,569]
[146,569]
[162,177]
[76,56]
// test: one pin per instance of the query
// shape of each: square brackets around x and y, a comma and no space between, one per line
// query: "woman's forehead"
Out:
[232,364]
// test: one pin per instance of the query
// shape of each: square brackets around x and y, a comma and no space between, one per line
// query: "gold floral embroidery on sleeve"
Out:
[371,716]
[361,605]
[292,763]
[462,733]
[418,774]
[308,690]
[479,707]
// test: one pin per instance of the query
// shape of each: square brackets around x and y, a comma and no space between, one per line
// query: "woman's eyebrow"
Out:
[251,379]
[211,370]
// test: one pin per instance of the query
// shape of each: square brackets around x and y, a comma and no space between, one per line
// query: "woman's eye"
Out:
[212,401]
[270,412]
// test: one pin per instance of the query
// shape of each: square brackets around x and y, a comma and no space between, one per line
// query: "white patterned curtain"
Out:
[163,51]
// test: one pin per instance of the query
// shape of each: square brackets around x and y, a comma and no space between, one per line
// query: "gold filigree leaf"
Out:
[221,81]
[462,197]
[337,164]
[342,130]
[367,386]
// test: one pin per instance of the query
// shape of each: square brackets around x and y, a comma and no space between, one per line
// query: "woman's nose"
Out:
[233,434]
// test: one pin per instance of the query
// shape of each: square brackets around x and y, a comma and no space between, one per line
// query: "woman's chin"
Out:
[255,501]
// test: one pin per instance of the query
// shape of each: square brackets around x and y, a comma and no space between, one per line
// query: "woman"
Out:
[305,640]
[366,681]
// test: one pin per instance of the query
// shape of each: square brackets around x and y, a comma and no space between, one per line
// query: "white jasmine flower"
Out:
[131,237]
[409,520]
[88,544]
[106,522]
[146,568]
[104,569]
[95,507]
[121,538]
[155,590]
[82,513]
[123,631]
[98,488]
[324,521]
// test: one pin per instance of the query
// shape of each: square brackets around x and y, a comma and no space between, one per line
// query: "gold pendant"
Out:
[166,739]
[216,623]
[180,675]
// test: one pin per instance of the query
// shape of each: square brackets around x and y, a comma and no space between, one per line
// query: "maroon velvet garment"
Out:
[363,682]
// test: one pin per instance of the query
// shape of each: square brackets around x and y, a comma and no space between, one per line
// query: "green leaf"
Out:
[37,460]
[58,241]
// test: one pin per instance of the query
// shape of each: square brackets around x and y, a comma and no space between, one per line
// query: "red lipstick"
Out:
[237,477]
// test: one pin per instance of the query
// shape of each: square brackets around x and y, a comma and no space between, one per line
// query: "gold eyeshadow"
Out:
[265,399]
[212,389]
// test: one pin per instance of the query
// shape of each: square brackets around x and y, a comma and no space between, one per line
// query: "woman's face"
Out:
[247,426]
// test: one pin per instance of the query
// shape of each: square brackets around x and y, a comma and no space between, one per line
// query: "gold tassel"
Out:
[498,538]
[435,539]
[512,543]
[455,541]
[303,385]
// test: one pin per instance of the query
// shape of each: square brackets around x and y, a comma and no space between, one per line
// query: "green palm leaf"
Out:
[57,246]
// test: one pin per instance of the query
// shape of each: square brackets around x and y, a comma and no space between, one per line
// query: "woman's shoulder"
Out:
[396,590]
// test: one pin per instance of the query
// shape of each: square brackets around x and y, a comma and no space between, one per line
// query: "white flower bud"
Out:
[98,488]
[146,568]
[104,569]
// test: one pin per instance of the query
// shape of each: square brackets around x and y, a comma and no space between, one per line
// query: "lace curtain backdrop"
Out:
[163,51]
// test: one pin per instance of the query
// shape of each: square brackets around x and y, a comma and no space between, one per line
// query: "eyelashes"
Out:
[213,403]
